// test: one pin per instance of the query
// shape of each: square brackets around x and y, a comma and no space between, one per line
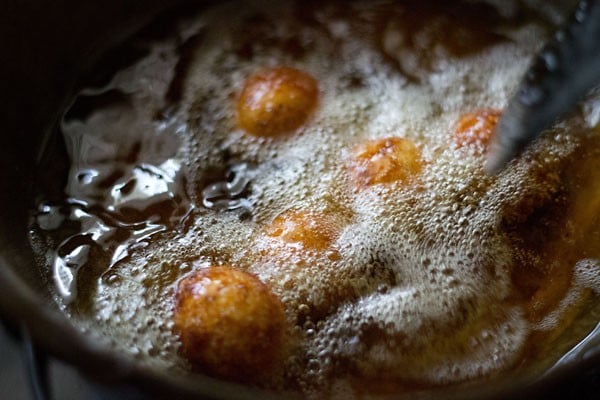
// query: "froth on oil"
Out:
[327,161]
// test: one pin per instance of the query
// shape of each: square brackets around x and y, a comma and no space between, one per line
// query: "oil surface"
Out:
[458,276]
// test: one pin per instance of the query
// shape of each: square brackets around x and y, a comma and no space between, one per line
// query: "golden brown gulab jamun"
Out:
[230,324]
[311,230]
[385,161]
[475,129]
[276,100]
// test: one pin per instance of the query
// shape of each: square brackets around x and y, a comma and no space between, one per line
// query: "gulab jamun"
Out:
[230,324]
[385,161]
[276,100]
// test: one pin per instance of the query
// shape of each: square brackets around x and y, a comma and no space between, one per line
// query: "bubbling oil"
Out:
[454,277]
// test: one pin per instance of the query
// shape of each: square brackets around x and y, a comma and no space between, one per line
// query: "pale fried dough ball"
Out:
[299,256]
[311,230]
[385,161]
[276,100]
[475,129]
[230,324]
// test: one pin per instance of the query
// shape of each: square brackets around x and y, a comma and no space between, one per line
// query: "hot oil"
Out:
[427,284]
[123,191]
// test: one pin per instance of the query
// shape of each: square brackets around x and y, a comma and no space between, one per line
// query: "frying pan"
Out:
[48,47]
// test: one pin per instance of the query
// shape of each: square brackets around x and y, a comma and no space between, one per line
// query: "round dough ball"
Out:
[276,100]
[385,161]
[230,324]
[310,230]
[475,129]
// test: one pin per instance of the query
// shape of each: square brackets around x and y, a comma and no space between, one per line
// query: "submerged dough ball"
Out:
[310,230]
[475,129]
[276,100]
[385,161]
[230,324]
